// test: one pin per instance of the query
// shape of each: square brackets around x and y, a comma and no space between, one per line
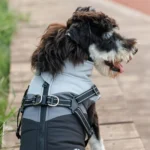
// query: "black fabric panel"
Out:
[66,133]
[29,134]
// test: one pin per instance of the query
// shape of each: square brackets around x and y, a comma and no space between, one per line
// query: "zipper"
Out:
[43,117]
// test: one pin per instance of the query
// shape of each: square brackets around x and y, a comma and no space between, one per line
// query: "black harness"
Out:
[54,101]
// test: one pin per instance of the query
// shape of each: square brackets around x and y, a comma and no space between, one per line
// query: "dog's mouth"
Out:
[116,66]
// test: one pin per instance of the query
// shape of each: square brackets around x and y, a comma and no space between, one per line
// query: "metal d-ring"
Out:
[39,101]
[56,103]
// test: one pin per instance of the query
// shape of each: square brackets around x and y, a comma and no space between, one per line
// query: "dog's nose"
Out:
[135,51]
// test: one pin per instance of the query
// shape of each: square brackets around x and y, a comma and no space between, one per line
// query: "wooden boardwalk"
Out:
[117,127]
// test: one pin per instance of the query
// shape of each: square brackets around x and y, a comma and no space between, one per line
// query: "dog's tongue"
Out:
[120,67]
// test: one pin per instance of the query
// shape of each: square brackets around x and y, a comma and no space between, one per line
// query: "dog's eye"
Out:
[107,35]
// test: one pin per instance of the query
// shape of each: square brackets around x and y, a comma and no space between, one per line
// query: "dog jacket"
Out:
[46,125]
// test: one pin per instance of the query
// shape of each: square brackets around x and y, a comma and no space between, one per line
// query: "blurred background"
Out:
[124,109]
[140,5]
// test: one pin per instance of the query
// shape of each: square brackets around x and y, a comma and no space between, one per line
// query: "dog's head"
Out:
[95,33]
[88,35]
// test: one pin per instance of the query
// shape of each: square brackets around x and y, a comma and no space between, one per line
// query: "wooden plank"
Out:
[10,140]
[113,110]
[112,103]
[11,125]
[15,98]
[18,87]
[114,116]
[11,148]
[127,144]
[21,77]
[103,81]
[20,59]
[109,91]
[118,131]
[20,67]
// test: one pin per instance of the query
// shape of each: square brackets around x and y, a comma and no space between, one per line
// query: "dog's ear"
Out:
[50,54]
[74,33]
[107,23]
[79,33]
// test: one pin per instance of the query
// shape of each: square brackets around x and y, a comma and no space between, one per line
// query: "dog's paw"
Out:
[102,144]
[96,144]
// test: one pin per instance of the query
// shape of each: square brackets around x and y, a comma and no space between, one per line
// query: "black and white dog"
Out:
[65,58]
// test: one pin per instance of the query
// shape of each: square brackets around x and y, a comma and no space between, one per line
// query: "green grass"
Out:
[7,27]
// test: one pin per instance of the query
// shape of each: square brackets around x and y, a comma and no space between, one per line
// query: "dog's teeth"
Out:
[127,58]
[131,55]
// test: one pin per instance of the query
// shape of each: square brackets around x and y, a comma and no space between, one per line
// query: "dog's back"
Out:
[61,129]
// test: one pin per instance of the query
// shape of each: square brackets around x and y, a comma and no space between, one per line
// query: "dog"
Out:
[88,39]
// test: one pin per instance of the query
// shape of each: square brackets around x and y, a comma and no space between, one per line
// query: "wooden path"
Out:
[117,127]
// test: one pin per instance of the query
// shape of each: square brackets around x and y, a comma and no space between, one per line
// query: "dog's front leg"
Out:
[96,142]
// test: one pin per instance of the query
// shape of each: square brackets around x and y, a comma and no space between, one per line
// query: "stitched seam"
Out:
[64,105]
[65,100]
[83,116]
[87,98]
[81,119]
[84,93]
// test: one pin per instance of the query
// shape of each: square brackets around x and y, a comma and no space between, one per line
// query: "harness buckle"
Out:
[51,100]
[95,90]
[35,102]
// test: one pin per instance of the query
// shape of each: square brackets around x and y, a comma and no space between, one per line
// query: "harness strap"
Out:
[84,121]
[72,104]
[43,117]
[35,100]
[93,91]
[21,109]
[18,115]
[55,100]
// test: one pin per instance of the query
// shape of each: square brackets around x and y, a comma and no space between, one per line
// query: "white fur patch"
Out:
[96,144]
[96,54]
[123,54]
[99,58]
